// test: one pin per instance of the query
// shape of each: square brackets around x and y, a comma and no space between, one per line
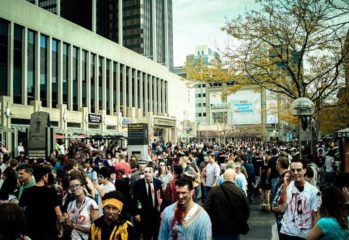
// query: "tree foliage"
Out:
[291,47]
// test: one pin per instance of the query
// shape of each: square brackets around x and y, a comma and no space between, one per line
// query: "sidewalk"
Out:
[260,223]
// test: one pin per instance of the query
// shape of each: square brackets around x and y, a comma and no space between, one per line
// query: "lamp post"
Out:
[303,108]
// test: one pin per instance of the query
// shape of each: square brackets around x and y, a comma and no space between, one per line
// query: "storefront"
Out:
[343,138]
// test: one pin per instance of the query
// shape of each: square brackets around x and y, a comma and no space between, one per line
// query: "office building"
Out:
[53,65]
[144,26]
[220,115]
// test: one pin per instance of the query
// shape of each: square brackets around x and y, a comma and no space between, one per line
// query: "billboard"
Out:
[137,134]
[246,106]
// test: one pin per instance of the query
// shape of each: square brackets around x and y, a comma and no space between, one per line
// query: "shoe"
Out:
[262,207]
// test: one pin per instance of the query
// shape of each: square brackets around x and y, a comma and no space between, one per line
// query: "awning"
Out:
[344,133]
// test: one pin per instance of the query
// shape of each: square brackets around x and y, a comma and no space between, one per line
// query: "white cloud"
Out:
[198,22]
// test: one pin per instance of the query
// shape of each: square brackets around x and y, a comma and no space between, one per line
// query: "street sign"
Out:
[94,118]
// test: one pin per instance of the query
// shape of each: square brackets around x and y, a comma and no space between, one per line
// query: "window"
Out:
[17,62]
[3,56]
[204,95]
[75,78]
[65,73]
[43,70]
[54,73]
[83,77]
[100,94]
[31,68]
[108,85]
[92,79]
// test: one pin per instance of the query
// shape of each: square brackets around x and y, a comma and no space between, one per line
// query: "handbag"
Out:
[242,227]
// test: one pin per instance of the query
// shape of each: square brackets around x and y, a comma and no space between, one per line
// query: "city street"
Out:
[260,223]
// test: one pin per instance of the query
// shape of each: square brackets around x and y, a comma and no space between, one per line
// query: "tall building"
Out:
[205,55]
[144,26]
[87,83]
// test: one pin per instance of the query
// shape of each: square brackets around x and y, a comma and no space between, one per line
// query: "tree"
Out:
[291,47]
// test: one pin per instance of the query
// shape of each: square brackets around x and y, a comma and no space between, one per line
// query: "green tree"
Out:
[291,47]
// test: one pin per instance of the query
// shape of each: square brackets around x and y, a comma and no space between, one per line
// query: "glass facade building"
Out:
[61,84]
[144,26]
[50,64]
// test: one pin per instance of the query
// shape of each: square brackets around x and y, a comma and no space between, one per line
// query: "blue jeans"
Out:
[233,236]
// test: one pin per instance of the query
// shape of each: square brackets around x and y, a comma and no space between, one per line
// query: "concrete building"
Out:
[220,115]
[142,26]
[50,64]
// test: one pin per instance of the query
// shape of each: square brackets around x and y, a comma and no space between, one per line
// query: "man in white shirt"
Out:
[212,172]
[303,201]
[106,185]
[20,148]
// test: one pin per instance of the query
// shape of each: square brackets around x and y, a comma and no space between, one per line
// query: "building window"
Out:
[143,89]
[115,94]
[204,114]
[3,56]
[139,90]
[127,90]
[65,73]
[31,68]
[100,94]
[153,95]
[108,85]
[43,70]
[54,72]
[75,78]
[92,79]
[84,77]
[133,82]
[17,62]
[204,95]
[121,73]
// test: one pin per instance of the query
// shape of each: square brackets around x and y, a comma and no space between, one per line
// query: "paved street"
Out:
[260,223]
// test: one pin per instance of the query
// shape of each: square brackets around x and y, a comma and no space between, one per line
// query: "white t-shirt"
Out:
[20,149]
[109,187]
[297,220]
[212,171]
[81,216]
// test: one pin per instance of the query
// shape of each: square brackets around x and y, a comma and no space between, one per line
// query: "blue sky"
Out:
[198,22]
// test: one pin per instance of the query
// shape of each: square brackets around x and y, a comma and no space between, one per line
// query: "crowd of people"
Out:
[182,191]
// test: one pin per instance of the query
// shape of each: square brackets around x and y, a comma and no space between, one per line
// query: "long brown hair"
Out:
[334,205]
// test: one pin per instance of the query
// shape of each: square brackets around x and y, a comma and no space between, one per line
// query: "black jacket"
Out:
[226,216]
[140,195]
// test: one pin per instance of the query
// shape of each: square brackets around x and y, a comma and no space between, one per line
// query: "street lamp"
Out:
[303,108]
